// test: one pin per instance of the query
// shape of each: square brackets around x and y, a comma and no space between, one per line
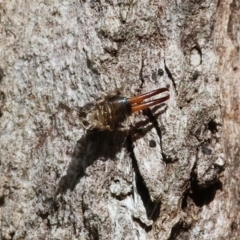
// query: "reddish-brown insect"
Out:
[109,112]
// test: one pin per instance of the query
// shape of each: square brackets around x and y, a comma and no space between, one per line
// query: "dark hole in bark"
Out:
[12,234]
[195,76]
[43,215]
[160,72]
[233,226]
[212,126]
[2,201]
[1,74]
[206,150]
[184,201]
[176,230]
[203,196]
[199,195]
[2,98]
[152,144]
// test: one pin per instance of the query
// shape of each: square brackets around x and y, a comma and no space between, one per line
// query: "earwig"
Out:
[110,112]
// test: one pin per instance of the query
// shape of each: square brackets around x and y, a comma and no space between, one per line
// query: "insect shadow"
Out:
[102,145]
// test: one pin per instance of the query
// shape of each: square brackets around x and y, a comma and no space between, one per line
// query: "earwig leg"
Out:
[144,105]
[144,96]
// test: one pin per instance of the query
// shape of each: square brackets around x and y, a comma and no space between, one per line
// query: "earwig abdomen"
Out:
[113,111]
[107,113]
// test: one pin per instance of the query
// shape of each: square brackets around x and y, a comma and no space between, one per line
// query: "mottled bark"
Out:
[227,43]
[170,172]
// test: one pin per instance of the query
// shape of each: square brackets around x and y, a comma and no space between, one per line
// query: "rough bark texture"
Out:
[227,44]
[175,176]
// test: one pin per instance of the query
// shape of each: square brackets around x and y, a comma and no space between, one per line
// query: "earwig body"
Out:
[109,112]
[106,113]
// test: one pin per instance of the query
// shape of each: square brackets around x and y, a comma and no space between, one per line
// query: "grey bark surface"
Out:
[171,172]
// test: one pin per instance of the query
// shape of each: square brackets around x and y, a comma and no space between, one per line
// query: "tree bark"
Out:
[171,172]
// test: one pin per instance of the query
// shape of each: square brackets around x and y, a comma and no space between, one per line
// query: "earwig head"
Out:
[85,113]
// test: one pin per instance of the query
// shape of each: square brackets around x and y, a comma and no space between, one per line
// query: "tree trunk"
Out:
[171,171]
